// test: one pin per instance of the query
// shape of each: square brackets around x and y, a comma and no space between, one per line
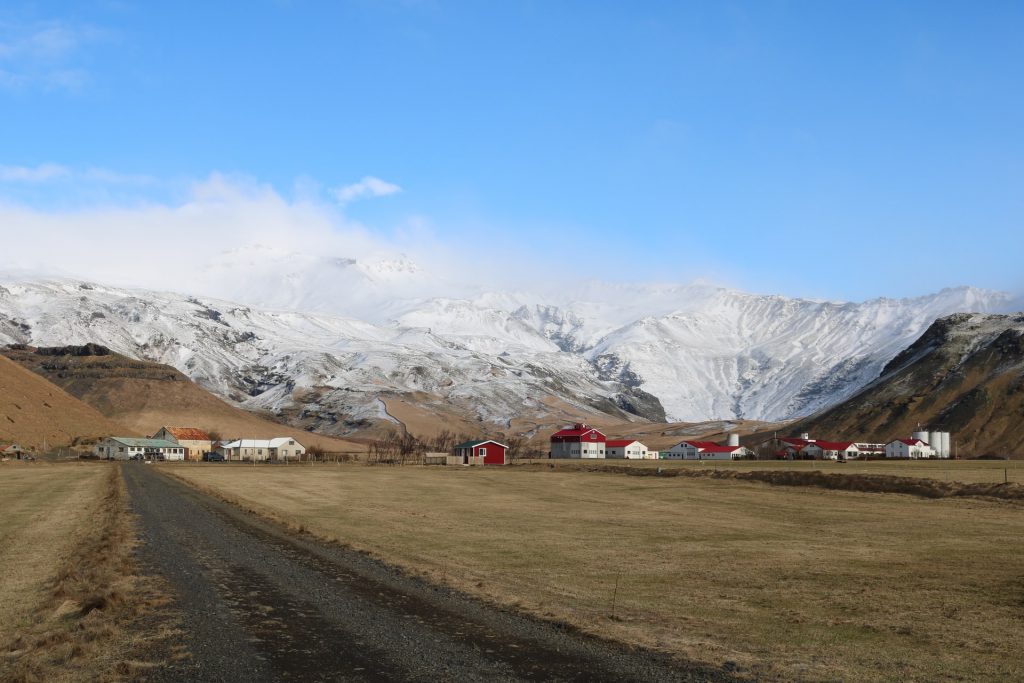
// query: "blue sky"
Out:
[821,149]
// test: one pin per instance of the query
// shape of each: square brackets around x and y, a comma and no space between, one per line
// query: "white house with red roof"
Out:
[834,450]
[578,441]
[703,450]
[908,448]
[630,450]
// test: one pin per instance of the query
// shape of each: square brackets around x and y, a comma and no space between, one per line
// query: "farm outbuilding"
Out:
[484,452]
[280,448]
[629,450]
[195,441]
[578,441]
[125,448]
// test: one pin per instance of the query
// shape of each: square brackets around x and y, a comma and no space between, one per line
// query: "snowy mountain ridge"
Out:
[703,352]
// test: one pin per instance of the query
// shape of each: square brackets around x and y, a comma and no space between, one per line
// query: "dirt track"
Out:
[260,604]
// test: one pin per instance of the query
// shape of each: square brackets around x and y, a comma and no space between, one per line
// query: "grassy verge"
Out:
[72,604]
[793,583]
[952,471]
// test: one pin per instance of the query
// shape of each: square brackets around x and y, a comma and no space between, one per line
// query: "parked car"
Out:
[213,457]
[136,456]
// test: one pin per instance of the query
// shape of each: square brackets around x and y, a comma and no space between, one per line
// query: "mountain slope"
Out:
[499,361]
[33,411]
[145,396]
[964,375]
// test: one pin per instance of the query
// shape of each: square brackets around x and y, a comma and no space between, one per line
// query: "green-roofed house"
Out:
[128,448]
[481,453]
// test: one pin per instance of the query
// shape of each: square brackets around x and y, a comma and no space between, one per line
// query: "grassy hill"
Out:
[33,411]
[965,375]
[144,396]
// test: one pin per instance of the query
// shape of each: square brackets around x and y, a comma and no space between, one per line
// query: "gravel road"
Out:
[260,604]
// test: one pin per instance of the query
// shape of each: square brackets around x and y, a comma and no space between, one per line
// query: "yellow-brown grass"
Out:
[793,583]
[71,600]
[34,411]
[964,471]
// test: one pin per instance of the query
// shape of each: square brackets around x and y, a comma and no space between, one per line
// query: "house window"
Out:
[481,452]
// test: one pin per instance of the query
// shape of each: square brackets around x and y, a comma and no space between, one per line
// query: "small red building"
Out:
[579,441]
[481,453]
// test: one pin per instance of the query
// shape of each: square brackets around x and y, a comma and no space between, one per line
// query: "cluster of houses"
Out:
[922,445]
[585,442]
[190,443]
[581,441]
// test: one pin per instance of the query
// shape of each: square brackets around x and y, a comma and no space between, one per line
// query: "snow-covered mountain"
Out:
[699,351]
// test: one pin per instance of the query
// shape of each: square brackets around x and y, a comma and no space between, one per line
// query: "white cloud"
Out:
[42,54]
[33,174]
[367,187]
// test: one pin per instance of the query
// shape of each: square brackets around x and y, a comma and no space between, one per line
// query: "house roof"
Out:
[702,445]
[276,442]
[911,442]
[188,434]
[715,448]
[793,441]
[145,443]
[474,444]
[578,430]
[621,443]
[835,445]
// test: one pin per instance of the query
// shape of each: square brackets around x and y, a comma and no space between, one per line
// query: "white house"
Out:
[124,448]
[833,450]
[908,448]
[703,450]
[280,448]
[630,450]
[718,452]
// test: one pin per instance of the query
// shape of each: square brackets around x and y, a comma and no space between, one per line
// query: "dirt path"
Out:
[260,604]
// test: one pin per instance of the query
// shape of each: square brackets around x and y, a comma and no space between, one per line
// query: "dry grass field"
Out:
[966,471]
[70,600]
[792,583]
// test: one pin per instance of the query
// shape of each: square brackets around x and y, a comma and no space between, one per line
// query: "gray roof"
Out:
[145,443]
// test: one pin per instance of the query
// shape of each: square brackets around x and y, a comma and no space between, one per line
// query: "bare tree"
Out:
[516,446]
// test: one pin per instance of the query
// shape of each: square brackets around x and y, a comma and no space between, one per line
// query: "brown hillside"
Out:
[965,375]
[145,396]
[34,410]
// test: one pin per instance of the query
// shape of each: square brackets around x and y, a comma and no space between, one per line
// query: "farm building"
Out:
[196,441]
[483,452]
[832,450]
[630,450]
[11,450]
[280,448]
[124,448]
[703,450]
[909,448]
[578,441]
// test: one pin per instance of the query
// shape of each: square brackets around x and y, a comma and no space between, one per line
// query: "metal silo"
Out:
[945,444]
[734,440]
[923,436]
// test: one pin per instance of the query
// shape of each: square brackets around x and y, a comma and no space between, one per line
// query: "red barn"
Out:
[482,453]
[579,441]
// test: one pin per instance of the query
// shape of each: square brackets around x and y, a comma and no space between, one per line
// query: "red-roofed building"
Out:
[630,450]
[834,450]
[578,441]
[703,450]
[196,442]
